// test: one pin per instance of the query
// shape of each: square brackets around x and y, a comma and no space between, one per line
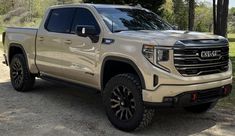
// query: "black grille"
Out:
[189,62]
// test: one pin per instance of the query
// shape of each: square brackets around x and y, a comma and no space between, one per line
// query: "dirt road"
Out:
[57,110]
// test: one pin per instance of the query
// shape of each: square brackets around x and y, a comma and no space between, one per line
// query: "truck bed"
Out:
[24,38]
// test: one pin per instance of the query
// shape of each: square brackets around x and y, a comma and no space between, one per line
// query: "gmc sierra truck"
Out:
[136,59]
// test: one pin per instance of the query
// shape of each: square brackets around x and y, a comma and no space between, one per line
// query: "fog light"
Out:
[227,89]
[194,97]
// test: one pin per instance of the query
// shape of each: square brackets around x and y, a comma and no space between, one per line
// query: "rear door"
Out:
[51,43]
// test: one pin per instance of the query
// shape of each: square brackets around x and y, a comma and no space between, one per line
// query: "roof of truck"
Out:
[95,5]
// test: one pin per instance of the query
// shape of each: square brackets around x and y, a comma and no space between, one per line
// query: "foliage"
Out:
[168,14]
[203,18]
[232,11]
[231,21]
[154,5]
[180,14]
[230,101]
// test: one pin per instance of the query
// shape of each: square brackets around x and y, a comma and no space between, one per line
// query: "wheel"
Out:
[124,105]
[22,80]
[202,108]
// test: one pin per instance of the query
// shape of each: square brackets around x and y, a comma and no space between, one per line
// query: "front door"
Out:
[81,54]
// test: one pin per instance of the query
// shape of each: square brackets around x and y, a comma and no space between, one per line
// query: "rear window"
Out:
[60,20]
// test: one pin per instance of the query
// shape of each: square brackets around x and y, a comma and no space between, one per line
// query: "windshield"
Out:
[127,19]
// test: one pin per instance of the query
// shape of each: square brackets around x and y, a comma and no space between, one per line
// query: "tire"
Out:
[21,79]
[202,108]
[124,104]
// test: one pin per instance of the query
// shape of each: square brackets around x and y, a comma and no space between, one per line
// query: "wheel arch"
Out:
[124,61]
[15,48]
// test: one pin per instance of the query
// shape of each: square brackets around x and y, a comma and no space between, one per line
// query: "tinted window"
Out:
[60,20]
[125,19]
[84,17]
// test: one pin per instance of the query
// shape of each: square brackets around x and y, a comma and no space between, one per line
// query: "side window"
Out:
[60,20]
[84,17]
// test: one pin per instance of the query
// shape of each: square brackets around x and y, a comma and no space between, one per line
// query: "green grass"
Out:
[2,29]
[230,101]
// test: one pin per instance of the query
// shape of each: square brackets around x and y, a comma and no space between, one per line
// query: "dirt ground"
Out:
[57,110]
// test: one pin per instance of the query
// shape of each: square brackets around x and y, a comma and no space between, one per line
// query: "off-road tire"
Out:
[21,78]
[141,117]
[201,108]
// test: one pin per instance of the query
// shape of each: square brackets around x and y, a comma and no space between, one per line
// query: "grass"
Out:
[229,102]
[2,29]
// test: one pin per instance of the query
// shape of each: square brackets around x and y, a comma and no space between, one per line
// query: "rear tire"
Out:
[124,104]
[202,108]
[21,78]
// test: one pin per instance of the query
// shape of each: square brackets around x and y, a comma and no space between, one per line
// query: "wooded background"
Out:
[186,14]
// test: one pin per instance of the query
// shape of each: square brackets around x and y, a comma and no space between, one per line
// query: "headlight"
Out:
[148,52]
[162,55]
[155,55]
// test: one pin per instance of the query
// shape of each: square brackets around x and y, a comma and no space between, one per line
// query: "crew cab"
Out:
[136,59]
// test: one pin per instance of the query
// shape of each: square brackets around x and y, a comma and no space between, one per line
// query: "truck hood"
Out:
[166,37]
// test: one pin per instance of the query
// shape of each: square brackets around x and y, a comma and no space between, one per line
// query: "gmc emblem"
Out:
[209,54]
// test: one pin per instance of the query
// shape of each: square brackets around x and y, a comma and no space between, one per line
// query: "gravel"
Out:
[53,109]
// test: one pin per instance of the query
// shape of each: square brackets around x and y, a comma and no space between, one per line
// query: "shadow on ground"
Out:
[55,109]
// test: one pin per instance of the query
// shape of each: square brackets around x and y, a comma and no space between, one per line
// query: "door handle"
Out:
[68,42]
[41,38]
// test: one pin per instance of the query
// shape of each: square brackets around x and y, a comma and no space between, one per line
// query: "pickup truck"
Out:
[136,60]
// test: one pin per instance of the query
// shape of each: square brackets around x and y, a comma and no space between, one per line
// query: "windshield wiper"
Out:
[117,31]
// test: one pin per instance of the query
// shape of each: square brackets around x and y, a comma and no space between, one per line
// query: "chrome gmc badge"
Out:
[209,54]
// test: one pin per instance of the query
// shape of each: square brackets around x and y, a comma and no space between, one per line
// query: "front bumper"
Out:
[194,97]
[172,90]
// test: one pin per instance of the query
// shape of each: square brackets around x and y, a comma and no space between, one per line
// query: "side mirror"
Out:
[85,30]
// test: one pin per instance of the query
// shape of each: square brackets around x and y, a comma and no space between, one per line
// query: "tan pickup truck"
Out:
[130,54]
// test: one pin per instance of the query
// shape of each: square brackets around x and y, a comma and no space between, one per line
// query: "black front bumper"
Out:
[194,97]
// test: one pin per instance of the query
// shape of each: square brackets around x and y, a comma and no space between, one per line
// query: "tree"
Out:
[65,1]
[203,17]
[180,14]
[168,14]
[191,14]
[232,11]
[220,13]
[154,5]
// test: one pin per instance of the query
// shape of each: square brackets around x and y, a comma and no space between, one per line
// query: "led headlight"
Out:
[155,55]
[148,52]
[158,56]
[162,55]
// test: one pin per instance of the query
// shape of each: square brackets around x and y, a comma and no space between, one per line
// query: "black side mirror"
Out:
[86,30]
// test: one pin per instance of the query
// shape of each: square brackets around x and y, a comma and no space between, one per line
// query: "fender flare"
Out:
[18,46]
[124,60]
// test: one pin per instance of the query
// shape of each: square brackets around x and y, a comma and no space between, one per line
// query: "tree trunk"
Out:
[191,15]
[224,18]
[214,17]
[219,15]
